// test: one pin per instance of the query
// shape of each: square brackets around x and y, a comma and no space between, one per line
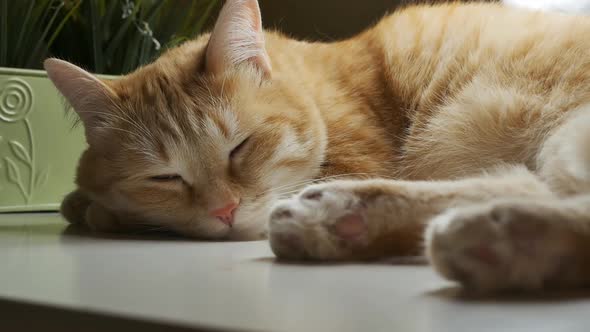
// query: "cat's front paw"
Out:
[326,221]
[74,206]
[499,246]
[77,208]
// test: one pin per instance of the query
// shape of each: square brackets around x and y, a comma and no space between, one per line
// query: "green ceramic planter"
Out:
[39,150]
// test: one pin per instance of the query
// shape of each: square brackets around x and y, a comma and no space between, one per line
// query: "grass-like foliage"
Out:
[28,28]
[103,36]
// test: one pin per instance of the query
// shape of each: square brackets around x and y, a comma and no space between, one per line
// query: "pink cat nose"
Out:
[225,214]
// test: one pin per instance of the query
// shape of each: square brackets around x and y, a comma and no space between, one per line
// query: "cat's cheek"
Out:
[279,176]
[119,201]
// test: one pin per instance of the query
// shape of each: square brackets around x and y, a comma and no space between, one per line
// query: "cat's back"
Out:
[426,28]
[448,45]
[481,77]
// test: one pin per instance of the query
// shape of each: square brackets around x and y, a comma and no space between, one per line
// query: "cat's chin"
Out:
[247,235]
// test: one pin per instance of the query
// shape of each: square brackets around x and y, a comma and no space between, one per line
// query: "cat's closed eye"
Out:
[238,148]
[166,178]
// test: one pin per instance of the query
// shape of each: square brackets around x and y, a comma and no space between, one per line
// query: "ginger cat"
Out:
[463,130]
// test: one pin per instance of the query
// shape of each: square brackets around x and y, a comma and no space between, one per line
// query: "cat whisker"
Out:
[288,194]
[289,186]
[320,180]
[119,129]
[292,184]
[126,119]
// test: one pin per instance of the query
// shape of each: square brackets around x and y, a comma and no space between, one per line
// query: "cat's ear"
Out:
[88,95]
[238,37]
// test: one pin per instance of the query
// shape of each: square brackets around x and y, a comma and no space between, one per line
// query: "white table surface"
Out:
[239,286]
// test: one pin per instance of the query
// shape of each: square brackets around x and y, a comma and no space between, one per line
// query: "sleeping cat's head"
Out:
[197,141]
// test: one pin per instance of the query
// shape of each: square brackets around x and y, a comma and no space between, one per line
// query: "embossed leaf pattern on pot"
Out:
[20,152]
[14,177]
[13,173]
[41,178]
[16,103]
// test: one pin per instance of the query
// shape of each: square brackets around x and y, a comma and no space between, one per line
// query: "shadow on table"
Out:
[457,293]
[397,261]
[453,293]
[73,231]
[26,316]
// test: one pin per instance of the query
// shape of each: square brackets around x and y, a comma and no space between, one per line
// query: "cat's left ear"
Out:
[238,37]
[90,97]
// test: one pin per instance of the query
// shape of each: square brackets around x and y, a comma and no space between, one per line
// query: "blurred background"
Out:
[327,19]
[116,36]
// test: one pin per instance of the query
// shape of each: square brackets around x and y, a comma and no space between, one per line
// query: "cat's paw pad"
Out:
[496,247]
[323,222]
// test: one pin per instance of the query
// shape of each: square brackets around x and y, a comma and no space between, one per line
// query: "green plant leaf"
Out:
[97,37]
[20,152]
[96,40]
[130,62]
[117,41]
[107,19]
[4,32]
[41,40]
[154,11]
[41,178]
[13,172]
[145,51]
[63,22]
[199,26]
[23,28]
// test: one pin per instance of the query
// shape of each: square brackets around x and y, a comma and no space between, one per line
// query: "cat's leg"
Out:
[525,244]
[360,219]
[518,244]
[77,208]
